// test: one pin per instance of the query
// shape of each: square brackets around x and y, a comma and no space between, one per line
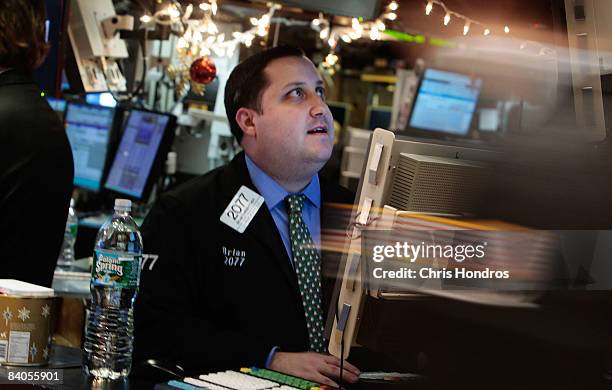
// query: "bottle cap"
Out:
[123,204]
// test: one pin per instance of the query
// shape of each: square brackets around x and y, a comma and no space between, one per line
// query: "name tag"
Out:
[241,210]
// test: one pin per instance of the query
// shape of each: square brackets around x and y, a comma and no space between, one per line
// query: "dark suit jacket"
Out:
[197,310]
[36,171]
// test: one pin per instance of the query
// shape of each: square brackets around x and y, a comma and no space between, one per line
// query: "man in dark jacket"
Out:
[239,281]
[36,166]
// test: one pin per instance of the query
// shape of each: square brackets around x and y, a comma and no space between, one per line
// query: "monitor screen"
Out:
[339,112]
[105,99]
[379,117]
[58,105]
[445,102]
[88,129]
[143,136]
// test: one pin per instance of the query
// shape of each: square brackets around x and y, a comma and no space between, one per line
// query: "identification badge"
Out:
[241,210]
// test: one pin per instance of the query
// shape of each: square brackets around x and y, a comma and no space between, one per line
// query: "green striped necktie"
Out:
[308,270]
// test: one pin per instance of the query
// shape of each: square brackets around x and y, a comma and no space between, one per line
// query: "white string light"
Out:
[448,13]
[324,33]
[173,11]
[332,42]
[358,29]
[331,59]
[390,16]
[200,37]
[428,7]
[213,4]
[374,34]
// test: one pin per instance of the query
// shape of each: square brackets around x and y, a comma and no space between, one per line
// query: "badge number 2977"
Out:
[242,208]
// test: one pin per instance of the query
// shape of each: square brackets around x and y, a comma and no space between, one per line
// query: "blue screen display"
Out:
[101,99]
[445,102]
[88,129]
[58,105]
[137,151]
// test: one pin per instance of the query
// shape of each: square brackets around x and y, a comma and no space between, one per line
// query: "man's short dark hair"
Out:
[22,36]
[247,82]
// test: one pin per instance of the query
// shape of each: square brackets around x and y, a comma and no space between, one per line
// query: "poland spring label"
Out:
[112,269]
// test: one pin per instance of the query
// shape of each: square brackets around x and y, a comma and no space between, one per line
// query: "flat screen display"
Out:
[379,117]
[338,113]
[138,149]
[101,99]
[88,129]
[445,102]
[58,105]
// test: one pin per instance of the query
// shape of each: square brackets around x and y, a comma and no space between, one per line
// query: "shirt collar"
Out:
[273,193]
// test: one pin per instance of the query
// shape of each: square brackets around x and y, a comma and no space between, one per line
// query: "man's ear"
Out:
[246,120]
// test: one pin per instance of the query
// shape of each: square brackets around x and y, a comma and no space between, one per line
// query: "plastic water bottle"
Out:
[66,257]
[114,283]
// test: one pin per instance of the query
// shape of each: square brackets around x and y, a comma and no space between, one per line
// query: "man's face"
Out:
[295,129]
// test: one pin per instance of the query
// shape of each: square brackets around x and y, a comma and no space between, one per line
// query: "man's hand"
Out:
[313,366]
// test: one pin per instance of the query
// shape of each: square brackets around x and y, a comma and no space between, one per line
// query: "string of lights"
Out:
[201,37]
[468,22]
[358,29]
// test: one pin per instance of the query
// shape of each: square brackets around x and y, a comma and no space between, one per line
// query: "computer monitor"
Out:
[377,186]
[462,334]
[145,142]
[444,104]
[340,111]
[89,131]
[105,99]
[58,105]
[378,117]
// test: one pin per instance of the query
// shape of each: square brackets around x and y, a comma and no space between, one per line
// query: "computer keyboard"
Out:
[246,379]
[284,379]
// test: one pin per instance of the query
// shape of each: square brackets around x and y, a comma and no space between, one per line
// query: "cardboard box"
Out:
[26,318]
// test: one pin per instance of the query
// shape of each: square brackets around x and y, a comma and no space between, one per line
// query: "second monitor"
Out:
[89,131]
[145,142]
[445,103]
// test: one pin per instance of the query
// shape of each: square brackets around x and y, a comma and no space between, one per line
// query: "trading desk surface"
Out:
[69,361]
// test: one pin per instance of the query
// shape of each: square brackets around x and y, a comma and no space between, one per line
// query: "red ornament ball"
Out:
[203,70]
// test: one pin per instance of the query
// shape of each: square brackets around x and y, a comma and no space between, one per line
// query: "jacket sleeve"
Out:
[173,318]
[35,191]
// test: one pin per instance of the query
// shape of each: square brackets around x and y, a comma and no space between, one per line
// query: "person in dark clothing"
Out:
[239,280]
[36,165]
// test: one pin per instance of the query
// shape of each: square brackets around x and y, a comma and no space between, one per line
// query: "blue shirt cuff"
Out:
[271,355]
